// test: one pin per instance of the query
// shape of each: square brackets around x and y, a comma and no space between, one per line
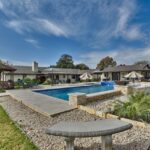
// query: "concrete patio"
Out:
[43,104]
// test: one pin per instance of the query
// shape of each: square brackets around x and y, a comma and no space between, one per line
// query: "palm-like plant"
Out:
[137,107]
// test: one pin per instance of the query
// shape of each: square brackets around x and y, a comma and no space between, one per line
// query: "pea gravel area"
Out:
[34,124]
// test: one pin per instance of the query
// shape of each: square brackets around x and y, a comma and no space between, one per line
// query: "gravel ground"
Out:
[104,105]
[34,125]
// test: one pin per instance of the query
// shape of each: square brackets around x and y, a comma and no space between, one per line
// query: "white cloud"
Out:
[1,5]
[122,56]
[95,23]
[125,15]
[40,25]
[33,42]
[50,27]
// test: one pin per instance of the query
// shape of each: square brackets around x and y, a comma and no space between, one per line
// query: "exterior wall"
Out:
[110,76]
[16,77]
[31,76]
[146,74]
[96,76]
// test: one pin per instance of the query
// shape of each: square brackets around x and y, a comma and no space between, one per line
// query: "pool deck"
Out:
[43,104]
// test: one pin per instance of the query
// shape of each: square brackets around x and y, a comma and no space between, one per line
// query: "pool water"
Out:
[62,93]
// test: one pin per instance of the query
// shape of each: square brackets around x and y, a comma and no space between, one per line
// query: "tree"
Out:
[142,62]
[82,66]
[65,61]
[105,62]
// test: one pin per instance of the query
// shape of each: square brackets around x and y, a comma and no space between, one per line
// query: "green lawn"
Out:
[11,138]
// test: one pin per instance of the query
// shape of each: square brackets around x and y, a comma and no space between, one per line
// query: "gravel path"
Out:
[34,123]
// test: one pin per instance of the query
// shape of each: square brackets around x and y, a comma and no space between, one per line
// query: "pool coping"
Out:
[46,105]
[49,105]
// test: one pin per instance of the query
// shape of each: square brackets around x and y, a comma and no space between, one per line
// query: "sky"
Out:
[88,30]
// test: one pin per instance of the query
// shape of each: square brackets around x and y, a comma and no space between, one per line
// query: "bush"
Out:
[2,90]
[48,81]
[26,83]
[137,107]
[35,82]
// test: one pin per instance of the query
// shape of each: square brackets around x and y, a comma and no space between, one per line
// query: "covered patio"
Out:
[3,68]
[3,83]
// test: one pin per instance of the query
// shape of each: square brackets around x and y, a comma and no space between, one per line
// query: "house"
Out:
[5,68]
[118,72]
[57,74]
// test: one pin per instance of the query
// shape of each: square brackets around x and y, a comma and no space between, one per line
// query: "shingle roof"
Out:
[46,70]
[4,67]
[27,70]
[124,68]
[65,71]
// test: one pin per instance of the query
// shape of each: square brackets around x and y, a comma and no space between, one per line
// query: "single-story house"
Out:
[117,73]
[34,71]
[4,68]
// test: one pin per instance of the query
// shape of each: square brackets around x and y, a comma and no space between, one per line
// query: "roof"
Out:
[127,68]
[46,70]
[27,70]
[4,67]
[64,71]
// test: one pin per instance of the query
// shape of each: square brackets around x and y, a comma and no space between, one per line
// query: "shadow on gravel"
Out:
[141,145]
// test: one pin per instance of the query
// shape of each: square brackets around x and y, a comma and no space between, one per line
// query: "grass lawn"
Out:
[11,138]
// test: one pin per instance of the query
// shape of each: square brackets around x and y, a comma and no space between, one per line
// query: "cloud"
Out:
[1,5]
[124,28]
[122,56]
[40,25]
[33,42]
[76,17]
[95,23]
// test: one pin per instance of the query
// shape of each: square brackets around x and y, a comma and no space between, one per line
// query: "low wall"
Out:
[131,89]
[108,115]
[102,95]
[123,89]
[76,99]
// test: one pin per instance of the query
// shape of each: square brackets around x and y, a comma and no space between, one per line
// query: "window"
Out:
[73,76]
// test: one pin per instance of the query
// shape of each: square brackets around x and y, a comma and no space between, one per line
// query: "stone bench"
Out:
[104,128]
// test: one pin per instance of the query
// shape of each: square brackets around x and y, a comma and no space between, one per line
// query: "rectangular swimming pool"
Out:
[62,93]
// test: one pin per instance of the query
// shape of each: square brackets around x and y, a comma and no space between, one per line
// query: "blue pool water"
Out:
[62,93]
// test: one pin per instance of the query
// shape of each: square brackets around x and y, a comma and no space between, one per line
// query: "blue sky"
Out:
[89,30]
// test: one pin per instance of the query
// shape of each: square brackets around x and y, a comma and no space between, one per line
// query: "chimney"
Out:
[35,66]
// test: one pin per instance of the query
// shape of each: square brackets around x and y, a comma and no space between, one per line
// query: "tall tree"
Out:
[82,66]
[142,62]
[65,61]
[105,62]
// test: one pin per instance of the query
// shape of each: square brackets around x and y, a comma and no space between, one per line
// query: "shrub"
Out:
[35,81]
[137,107]
[48,81]
[2,90]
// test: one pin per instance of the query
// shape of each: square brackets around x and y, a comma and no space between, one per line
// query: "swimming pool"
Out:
[62,93]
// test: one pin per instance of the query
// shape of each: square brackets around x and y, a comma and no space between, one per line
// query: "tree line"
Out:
[66,61]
